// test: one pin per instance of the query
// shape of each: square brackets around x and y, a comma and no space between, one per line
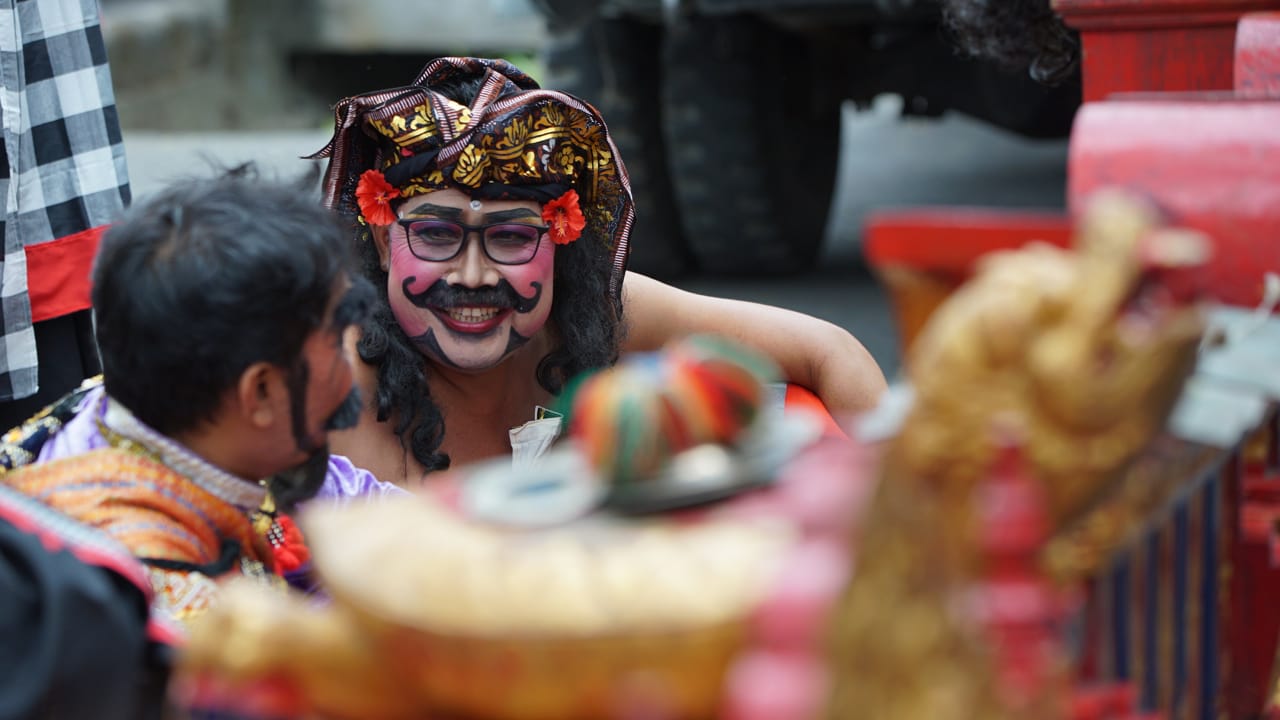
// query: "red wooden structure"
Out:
[1158,45]
[924,254]
[1213,163]
[1257,70]
[1208,158]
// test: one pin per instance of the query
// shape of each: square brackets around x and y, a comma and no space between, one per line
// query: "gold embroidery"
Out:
[515,134]
[464,119]
[422,118]
[566,160]
[471,166]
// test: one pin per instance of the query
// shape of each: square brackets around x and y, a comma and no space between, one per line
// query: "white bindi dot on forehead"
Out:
[475,204]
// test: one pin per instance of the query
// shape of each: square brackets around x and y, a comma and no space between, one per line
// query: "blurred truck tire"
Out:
[611,64]
[732,151]
[752,143]
[728,112]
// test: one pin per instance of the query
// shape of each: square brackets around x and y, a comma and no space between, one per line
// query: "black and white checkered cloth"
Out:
[64,165]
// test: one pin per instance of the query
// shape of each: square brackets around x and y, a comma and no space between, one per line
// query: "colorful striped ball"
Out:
[631,419]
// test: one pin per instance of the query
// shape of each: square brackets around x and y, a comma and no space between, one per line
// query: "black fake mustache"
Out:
[300,482]
[443,295]
[347,414]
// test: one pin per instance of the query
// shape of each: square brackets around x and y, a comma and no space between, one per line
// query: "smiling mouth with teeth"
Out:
[472,314]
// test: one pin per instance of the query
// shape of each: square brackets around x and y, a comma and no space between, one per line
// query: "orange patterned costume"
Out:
[183,533]
[186,520]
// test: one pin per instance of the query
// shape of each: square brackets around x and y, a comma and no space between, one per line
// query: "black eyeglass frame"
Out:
[467,232]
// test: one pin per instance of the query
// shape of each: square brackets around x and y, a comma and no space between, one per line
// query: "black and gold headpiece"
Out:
[514,141]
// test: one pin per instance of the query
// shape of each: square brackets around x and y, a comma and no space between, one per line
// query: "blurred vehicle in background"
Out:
[248,65]
[727,112]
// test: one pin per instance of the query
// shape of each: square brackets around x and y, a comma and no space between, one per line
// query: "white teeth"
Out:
[473,314]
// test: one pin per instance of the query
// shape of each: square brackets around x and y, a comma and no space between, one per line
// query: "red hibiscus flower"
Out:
[374,195]
[564,218]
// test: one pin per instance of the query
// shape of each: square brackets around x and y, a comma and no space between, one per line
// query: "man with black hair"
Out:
[222,306]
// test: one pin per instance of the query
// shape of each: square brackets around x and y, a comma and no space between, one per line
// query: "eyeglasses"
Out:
[442,240]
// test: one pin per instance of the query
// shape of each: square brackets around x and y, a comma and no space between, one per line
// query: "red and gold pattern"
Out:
[153,511]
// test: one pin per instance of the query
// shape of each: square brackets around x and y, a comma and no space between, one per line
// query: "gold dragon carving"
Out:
[1079,355]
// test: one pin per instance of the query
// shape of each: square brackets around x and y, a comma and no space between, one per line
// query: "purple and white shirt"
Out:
[81,434]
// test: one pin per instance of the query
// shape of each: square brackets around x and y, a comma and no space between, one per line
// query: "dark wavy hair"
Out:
[205,279]
[585,315]
[1023,35]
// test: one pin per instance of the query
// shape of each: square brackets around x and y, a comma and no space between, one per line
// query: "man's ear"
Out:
[381,237]
[259,394]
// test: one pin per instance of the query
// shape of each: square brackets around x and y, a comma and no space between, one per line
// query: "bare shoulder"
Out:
[653,311]
[811,352]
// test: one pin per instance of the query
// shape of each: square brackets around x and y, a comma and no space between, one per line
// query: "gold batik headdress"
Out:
[514,141]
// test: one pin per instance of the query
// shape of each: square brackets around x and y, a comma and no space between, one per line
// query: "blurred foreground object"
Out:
[1072,361]
[514,593]
[631,419]
[1000,498]
[1083,351]
[1179,566]
[79,643]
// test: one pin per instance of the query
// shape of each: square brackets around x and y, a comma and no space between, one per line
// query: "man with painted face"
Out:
[222,306]
[493,217]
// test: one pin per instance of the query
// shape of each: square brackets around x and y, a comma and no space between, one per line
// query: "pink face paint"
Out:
[457,312]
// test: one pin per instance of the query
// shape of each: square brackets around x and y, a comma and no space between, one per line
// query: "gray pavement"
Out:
[159,158]
[891,162]
[885,162]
